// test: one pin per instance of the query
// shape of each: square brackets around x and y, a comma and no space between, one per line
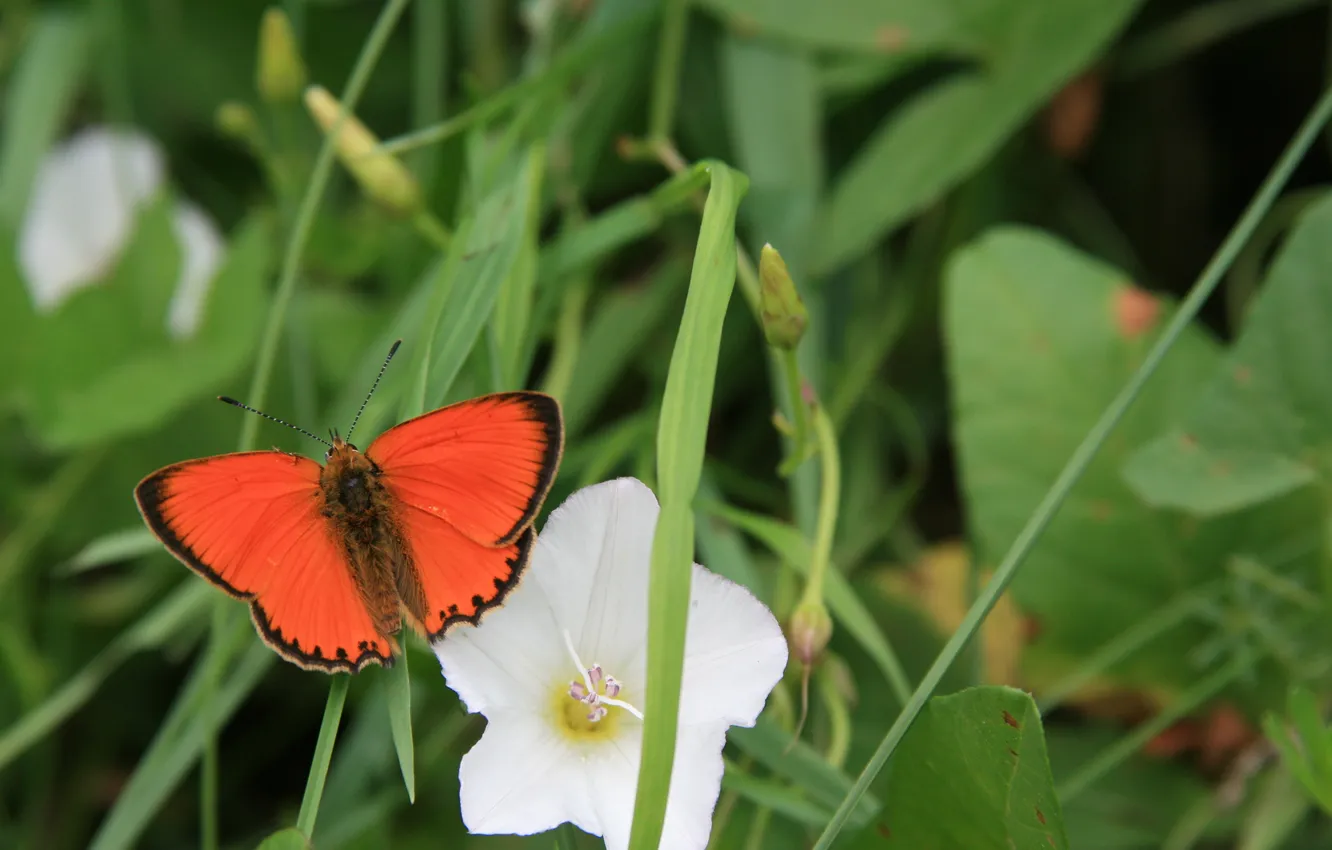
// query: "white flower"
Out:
[559,669]
[84,204]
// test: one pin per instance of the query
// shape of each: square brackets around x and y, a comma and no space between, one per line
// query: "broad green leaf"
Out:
[1040,338]
[285,839]
[872,26]
[973,772]
[398,685]
[1263,426]
[681,436]
[934,140]
[38,95]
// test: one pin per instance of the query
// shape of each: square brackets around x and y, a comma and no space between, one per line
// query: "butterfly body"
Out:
[429,526]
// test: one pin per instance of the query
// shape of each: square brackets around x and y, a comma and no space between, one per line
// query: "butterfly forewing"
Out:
[251,524]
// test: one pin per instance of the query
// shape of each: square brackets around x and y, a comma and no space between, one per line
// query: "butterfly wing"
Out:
[484,466]
[467,482]
[251,523]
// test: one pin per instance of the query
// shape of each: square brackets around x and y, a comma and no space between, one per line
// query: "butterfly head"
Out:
[337,445]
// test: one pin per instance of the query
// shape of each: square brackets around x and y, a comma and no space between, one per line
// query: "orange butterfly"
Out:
[432,524]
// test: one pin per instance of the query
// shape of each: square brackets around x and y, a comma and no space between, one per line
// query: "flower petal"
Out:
[592,560]
[695,784]
[521,779]
[82,210]
[200,255]
[735,653]
[514,659]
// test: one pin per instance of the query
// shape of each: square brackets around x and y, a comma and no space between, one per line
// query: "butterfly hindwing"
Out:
[484,466]
[251,524]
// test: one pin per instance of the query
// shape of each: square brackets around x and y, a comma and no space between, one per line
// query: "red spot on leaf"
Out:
[1072,116]
[1040,816]
[1135,311]
[1031,628]
[1243,375]
[1011,720]
[1012,752]
[885,831]
[890,38]
[1101,510]
[1188,441]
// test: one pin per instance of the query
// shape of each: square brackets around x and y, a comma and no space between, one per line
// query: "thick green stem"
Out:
[666,83]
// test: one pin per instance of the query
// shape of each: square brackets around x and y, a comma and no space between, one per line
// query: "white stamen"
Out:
[587,691]
[618,703]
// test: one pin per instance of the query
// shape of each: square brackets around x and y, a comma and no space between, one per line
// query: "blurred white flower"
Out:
[559,669]
[85,200]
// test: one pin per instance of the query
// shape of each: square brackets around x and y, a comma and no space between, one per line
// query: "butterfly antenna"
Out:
[234,403]
[373,387]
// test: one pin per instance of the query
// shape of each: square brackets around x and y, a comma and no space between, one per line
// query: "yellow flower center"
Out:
[590,707]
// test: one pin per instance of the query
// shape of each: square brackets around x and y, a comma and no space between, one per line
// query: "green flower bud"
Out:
[382,177]
[237,121]
[809,631]
[783,313]
[280,75]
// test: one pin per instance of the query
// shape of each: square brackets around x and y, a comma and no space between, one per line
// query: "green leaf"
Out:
[104,366]
[488,257]
[790,545]
[875,26]
[681,435]
[942,135]
[1040,338]
[802,766]
[38,95]
[1262,427]
[286,839]
[123,545]
[513,311]
[398,684]
[973,772]
[781,799]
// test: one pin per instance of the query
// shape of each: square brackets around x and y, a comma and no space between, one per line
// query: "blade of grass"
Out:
[681,436]
[1082,457]
[177,746]
[398,683]
[323,754]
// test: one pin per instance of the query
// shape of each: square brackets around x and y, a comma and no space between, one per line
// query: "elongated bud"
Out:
[809,631]
[386,180]
[238,121]
[280,75]
[784,315]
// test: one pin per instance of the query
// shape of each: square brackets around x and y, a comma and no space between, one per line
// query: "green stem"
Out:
[829,494]
[328,734]
[757,827]
[300,235]
[839,717]
[800,427]
[208,766]
[433,229]
[666,83]
[1081,459]
[1183,705]
[568,337]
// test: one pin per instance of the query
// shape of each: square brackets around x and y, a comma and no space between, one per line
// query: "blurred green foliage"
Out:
[989,209]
